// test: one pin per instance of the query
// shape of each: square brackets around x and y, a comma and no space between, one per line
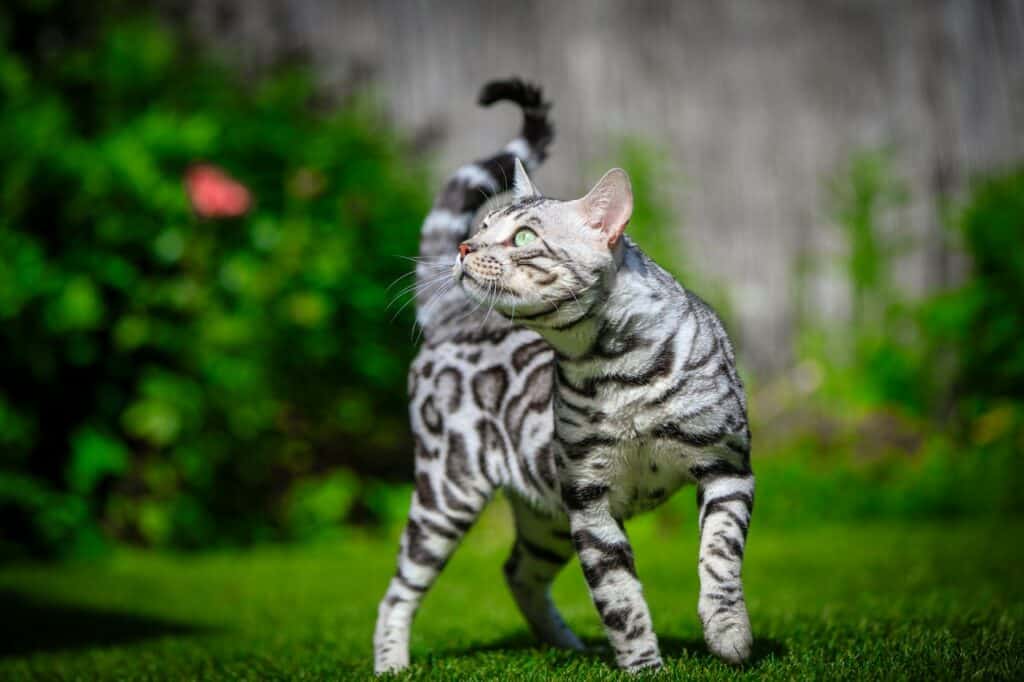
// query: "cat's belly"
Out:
[644,477]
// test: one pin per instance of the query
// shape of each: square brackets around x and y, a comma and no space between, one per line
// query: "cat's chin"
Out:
[473,289]
[486,296]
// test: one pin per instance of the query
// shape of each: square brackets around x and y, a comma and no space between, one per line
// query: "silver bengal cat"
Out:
[600,388]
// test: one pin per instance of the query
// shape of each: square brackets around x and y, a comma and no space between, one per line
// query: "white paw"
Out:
[384,666]
[646,666]
[732,643]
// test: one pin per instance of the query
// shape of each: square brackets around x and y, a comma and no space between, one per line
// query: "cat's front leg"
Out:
[726,503]
[607,561]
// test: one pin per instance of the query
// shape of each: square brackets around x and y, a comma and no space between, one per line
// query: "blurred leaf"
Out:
[79,306]
[94,456]
[318,504]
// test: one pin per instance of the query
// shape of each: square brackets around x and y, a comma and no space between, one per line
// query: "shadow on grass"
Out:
[32,625]
[671,648]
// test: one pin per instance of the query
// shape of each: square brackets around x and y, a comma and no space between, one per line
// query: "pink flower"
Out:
[215,194]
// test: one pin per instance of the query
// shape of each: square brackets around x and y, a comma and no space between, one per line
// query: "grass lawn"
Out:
[881,600]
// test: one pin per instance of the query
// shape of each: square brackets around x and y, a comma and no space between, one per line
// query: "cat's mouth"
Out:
[486,290]
[502,299]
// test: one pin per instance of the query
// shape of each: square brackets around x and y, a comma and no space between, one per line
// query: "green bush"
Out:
[166,377]
[986,317]
[941,377]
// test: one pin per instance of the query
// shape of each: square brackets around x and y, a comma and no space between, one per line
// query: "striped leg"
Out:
[607,561]
[542,548]
[431,536]
[726,503]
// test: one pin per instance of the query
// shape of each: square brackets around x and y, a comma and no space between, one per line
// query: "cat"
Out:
[614,388]
[480,392]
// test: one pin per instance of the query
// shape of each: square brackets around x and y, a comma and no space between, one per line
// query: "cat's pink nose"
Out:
[464,249]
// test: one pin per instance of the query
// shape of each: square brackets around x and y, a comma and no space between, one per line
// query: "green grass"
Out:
[877,600]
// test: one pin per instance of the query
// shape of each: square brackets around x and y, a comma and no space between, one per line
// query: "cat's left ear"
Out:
[522,186]
[609,205]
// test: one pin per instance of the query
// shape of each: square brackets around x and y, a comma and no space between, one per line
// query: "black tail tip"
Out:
[526,95]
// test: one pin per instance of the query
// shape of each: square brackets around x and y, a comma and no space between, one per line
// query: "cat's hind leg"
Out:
[442,511]
[543,546]
[726,503]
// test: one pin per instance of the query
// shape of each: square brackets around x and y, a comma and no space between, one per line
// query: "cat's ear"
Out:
[609,205]
[522,186]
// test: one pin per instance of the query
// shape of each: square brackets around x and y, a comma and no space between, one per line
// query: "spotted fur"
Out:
[480,392]
[618,388]
[646,400]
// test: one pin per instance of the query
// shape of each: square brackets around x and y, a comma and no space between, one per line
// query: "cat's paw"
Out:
[727,630]
[387,667]
[649,665]
[388,660]
[733,643]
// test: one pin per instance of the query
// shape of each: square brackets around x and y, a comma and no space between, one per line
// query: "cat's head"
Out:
[543,259]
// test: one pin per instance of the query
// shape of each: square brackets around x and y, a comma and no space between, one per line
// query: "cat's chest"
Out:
[642,477]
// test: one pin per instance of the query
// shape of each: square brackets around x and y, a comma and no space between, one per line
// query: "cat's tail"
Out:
[466,190]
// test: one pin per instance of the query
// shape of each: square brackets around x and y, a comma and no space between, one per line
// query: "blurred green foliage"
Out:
[921,398]
[173,380]
[170,380]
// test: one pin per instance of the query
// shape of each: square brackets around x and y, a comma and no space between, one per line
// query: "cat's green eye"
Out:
[524,237]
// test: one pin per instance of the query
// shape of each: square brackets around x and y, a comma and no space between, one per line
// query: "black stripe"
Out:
[578,497]
[566,420]
[711,572]
[616,619]
[715,551]
[453,503]
[636,632]
[416,551]
[702,360]
[660,366]
[738,496]
[579,409]
[717,506]
[577,450]
[734,545]
[409,585]
[723,599]
[740,523]
[717,469]
[612,556]
[440,530]
[522,355]
[461,524]
[673,432]
[671,391]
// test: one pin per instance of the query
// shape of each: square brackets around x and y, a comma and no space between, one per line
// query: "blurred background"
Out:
[841,179]
[203,206]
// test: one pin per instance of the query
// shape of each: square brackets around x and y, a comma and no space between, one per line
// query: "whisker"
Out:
[437,277]
[417,259]
[417,287]
[418,329]
[399,279]
[468,313]
[420,288]
[492,290]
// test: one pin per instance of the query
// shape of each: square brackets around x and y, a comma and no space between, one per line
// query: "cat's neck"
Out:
[633,301]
